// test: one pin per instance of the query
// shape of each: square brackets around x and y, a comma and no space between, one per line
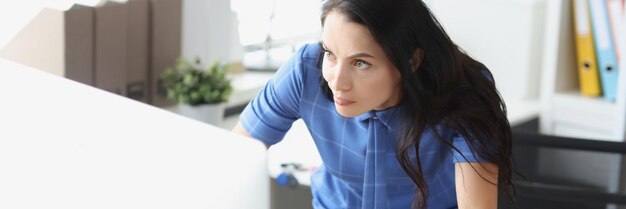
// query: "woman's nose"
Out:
[343,80]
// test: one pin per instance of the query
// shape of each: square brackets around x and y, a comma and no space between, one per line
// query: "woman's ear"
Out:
[416,59]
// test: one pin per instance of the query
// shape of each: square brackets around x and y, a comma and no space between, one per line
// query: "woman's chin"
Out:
[348,112]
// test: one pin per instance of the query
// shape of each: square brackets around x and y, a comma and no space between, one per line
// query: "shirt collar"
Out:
[389,117]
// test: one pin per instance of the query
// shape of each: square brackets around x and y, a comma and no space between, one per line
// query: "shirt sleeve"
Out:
[464,153]
[271,113]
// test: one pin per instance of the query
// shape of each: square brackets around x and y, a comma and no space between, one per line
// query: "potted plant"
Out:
[200,93]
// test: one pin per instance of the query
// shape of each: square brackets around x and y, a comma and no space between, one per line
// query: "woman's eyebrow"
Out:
[324,45]
[360,54]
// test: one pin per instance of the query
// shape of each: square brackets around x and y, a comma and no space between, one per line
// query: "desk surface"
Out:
[67,145]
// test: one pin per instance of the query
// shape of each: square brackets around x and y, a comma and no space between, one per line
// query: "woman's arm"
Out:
[239,129]
[472,191]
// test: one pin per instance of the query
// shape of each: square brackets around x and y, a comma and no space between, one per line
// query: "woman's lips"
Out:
[342,102]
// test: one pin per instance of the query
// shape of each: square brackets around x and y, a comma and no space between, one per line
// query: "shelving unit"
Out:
[565,112]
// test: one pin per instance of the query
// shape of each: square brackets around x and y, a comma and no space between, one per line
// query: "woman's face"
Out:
[356,68]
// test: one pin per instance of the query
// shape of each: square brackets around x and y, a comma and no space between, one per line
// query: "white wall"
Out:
[506,35]
[210,31]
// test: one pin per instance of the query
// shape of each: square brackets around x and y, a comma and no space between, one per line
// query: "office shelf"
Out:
[562,105]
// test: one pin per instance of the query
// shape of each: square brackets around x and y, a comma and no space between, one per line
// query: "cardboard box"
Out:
[166,44]
[111,47]
[138,62]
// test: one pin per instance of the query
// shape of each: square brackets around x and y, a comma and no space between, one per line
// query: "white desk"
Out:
[67,145]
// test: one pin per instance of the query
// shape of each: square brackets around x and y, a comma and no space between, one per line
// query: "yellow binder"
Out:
[589,79]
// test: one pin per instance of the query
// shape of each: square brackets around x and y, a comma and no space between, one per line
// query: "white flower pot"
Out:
[209,113]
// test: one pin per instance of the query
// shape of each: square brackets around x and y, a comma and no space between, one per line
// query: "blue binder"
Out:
[605,52]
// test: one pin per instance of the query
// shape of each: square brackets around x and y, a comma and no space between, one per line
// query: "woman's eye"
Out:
[360,64]
[329,55]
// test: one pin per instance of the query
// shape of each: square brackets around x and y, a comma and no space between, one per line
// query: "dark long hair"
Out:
[448,88]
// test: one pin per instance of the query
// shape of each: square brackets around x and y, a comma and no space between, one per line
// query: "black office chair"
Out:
[535,191]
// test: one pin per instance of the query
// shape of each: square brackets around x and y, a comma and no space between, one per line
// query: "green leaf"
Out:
[188,83]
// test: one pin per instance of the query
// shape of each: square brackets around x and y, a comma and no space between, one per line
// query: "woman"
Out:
[402,118]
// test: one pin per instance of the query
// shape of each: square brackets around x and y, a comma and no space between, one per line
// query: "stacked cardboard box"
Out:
[117,47]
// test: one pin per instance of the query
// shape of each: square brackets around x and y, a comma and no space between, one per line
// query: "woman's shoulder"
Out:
[303,61]
[307,62]
[310,51]
[299,77]
[300,63]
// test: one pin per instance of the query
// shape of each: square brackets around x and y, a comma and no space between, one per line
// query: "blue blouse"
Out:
[360,169]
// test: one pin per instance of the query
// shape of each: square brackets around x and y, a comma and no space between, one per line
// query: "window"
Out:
[272,29]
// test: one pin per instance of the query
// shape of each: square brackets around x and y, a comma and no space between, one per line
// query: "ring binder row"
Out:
[597,26]
[118,47]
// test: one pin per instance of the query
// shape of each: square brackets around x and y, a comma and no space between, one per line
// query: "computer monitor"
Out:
[68,145]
